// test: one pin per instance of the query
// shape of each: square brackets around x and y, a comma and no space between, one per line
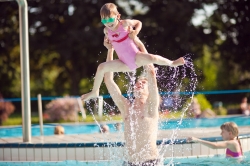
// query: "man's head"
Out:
[141,87]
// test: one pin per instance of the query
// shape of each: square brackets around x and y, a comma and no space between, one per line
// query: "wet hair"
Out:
[104,128]
[59,130]
[142,78]
[118,126]
[108,10]
[232,127]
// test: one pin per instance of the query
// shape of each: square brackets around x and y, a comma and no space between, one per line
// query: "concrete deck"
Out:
[118,137]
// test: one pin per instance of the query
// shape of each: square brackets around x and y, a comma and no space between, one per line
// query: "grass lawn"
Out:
[16,119]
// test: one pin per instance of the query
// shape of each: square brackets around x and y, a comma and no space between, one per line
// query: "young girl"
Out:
[229,133]
[123,38]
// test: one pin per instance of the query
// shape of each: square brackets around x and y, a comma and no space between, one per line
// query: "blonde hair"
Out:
[108,10]
[232,127]
[59,130]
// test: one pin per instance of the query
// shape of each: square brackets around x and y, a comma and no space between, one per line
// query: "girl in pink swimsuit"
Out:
[130,50]
[229,133]
[124,46]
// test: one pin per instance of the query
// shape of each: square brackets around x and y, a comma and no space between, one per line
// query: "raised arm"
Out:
[154,97]
[120,101]
[213,145]
[136,24]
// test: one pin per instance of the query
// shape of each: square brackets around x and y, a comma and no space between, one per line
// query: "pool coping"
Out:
[103,144]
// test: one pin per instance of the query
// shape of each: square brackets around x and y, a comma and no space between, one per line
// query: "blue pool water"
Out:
[219,160]
[94,128]
[204,122]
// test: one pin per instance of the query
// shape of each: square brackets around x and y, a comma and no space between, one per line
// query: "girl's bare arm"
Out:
[213,145]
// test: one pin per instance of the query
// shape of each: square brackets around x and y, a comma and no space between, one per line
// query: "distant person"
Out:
[207,113]
[104,129]
[194,109]
[118,126]
[244,107]
[230,134]
[59,130]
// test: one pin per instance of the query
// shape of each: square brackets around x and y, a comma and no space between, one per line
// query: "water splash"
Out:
[133,123]
[113,151]
[177,84]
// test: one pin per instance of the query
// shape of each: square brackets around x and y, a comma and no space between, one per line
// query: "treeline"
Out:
[66,42]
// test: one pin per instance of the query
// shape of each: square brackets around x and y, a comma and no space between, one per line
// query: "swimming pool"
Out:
[205,122]
[6,132]
[215,160]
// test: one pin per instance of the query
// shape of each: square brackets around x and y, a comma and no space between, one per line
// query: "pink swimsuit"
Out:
[229,153]
[124,46]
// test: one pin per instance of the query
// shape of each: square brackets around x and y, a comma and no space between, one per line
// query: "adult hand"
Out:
[132,34]
[107,43]
[150,69]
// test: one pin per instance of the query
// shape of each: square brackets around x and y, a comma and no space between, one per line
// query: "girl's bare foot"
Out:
[178,62]
[90,95]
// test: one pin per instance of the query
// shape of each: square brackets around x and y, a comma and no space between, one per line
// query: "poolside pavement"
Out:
[118,137]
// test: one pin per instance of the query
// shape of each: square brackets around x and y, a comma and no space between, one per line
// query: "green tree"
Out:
[230,25]
[66,42]
[209,65]
[9,50]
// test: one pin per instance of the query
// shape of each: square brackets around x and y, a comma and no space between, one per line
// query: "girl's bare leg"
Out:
[142,59]
[178,62]
[110,66]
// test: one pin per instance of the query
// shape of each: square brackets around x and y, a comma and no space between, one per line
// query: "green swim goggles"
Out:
[108,20]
